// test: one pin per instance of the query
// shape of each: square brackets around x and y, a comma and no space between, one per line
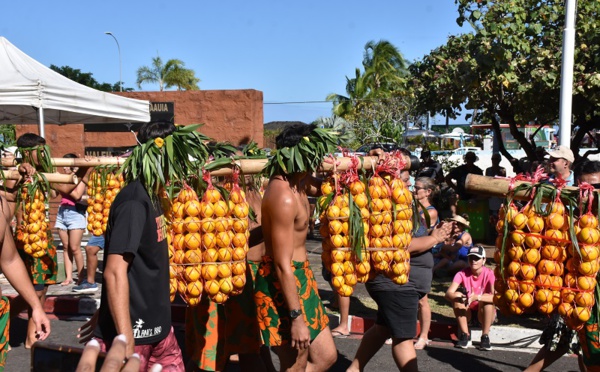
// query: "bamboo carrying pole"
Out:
[247,166]
[498,187]
[51,177]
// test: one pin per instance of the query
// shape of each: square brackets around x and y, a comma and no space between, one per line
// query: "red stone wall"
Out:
[228,115]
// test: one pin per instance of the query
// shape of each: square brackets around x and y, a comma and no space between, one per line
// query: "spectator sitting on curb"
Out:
[454,251]
[477,294]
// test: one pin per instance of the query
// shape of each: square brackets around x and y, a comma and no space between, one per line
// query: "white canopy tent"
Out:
[32,93]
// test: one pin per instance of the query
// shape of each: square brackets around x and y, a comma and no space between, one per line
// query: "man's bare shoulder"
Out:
[278,191]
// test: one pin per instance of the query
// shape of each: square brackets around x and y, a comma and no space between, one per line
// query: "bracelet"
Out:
[478,297]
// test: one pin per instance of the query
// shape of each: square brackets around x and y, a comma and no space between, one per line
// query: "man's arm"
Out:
[17,275]
[117,290]
[450,179]
[282,209]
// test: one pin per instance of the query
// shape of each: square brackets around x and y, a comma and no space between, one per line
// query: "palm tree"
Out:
[171,74]
[385,71]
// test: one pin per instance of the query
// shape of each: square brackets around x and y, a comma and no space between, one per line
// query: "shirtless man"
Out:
[290,313]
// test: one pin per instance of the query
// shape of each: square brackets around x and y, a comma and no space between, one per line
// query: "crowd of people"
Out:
[280,308]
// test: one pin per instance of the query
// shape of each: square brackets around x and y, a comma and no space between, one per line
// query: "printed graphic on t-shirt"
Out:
[139,332]
[161,228]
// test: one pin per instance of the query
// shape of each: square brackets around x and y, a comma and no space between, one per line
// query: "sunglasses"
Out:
[474,258]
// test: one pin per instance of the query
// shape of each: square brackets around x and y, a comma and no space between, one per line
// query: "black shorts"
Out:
[397,311]
[39,287]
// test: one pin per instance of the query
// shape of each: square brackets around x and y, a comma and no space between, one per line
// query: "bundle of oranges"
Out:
[343,255]
[184,225]
[582,266]
[32,232]
[531,261]
[209,243]
[401,232]
[102,188]
[532,251]
[366,228]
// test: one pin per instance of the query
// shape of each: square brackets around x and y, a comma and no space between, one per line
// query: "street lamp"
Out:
[120,66]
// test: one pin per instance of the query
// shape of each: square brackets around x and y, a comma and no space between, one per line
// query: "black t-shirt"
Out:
[136,227]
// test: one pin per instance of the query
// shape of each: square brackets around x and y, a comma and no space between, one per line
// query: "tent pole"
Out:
[41,122]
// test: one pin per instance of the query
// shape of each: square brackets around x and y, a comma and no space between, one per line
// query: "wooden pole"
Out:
[499,187]
[248,166]
[51,177]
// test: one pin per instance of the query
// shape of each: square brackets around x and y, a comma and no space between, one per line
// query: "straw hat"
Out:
[460,220]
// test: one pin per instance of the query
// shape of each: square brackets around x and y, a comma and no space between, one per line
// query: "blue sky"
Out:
[292,52]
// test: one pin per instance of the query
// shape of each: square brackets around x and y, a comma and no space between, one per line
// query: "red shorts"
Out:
[166,353]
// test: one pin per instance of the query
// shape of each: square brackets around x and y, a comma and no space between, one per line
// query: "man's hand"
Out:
[300,334]
[115,360]
[41,322]
[86,331]
[26,169]
[379,153]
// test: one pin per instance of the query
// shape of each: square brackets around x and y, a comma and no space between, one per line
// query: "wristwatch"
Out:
[295,313]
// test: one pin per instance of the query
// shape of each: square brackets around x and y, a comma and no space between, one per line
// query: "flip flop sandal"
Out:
[338,334]
[421,343]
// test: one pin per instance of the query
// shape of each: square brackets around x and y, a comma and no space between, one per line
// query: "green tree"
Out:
[508,67]
[170,74]
[87,79]
[375,100]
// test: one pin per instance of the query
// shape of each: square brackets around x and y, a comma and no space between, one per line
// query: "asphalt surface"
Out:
[440,356]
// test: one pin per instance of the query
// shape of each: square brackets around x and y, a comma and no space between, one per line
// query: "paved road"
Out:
[439,356]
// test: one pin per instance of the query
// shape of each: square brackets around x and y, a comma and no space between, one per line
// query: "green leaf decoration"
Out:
[306,156]
[164,163]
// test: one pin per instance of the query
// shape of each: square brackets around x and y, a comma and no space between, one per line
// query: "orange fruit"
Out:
[192,256]
[526,299]
[511,295]
[586,283]
[589,252]
[194,288]
[565,309]
[582,313]
[192,224]
[239,254]
[544,295]
[588,235]
[546,267]
[531,256]
[212,195]
[528,271]
[206,210]
[238,282]
[178,256]
[240,225]
[567,295]
[553,235]
[326,187]
[209,271]
[588,220]
[192,208]
[584,299]
[186,195]
[532,241]
[535,224]
[550,252]
[239,240]
[400,279]
[588,268]
[519,221]
[224,270]
[513,268]
[516,308]
[527,286]
[223,240]
[517,237]
[192,240]
[211,287]
[191,301]
[515,252]
[241,210]
[337,282]
[210,255]
[555,221]
[545,307]
[225,254]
